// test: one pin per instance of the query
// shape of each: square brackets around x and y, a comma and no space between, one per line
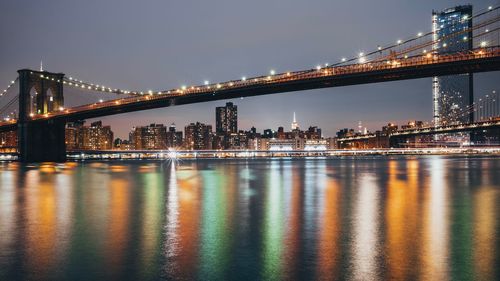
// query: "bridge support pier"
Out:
[42,142]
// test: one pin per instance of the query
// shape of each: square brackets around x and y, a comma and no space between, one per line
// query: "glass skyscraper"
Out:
[453,94]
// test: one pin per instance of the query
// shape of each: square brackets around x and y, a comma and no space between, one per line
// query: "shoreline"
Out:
[299,154]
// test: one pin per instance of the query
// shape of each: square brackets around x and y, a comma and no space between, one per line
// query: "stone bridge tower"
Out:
[40,92]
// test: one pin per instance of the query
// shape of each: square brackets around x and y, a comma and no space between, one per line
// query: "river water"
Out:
[373,218]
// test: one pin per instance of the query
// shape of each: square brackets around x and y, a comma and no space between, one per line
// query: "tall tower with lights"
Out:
[453,94]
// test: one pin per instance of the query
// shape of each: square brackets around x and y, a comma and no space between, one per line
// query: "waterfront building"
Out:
[269,134]
[73,135]
[123,144]
[96,137]
[313,133]
[283,144]
[453,94]
[237,141]
[152,137]
[198,136]
[316,145]
[174,138]
[389,129]
[8,141]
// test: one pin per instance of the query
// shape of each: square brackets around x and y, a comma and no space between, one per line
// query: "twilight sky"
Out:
[155,44]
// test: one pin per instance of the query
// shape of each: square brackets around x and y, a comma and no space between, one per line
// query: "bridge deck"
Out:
[428,65]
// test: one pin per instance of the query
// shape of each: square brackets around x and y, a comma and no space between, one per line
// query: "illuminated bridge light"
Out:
[272,72]
[243,78]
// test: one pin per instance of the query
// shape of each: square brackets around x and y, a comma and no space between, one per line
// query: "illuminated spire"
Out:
[295,125]
[41,65]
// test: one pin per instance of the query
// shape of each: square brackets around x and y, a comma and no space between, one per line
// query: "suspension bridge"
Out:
[39,115]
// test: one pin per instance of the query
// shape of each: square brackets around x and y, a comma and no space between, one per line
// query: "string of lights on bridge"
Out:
[362,57]
[12,82]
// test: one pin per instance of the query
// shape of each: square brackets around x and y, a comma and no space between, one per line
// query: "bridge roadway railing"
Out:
[283,78]
[430,130]
[446,128]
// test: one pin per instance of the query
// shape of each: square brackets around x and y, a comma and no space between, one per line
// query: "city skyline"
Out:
[329,109]
[249,140]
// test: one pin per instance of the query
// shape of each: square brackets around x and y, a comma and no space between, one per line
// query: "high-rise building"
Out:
[226,119]
[452,94]
[150,137]
[198,136]
[174,138]
[97,137]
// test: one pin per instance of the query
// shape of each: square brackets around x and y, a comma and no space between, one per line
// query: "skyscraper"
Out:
[453,94]
[226,119]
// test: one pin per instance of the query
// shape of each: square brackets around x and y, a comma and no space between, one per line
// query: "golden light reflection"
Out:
[64,206]
[41,225]
[118,224]
[118,168]
[485,237]
[188,238]
[329,233]
[402,215]
[435,242]
[8,207]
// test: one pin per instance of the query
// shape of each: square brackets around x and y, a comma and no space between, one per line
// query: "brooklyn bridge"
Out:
[38,113]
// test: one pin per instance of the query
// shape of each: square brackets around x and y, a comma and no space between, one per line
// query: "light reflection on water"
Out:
[404,218]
